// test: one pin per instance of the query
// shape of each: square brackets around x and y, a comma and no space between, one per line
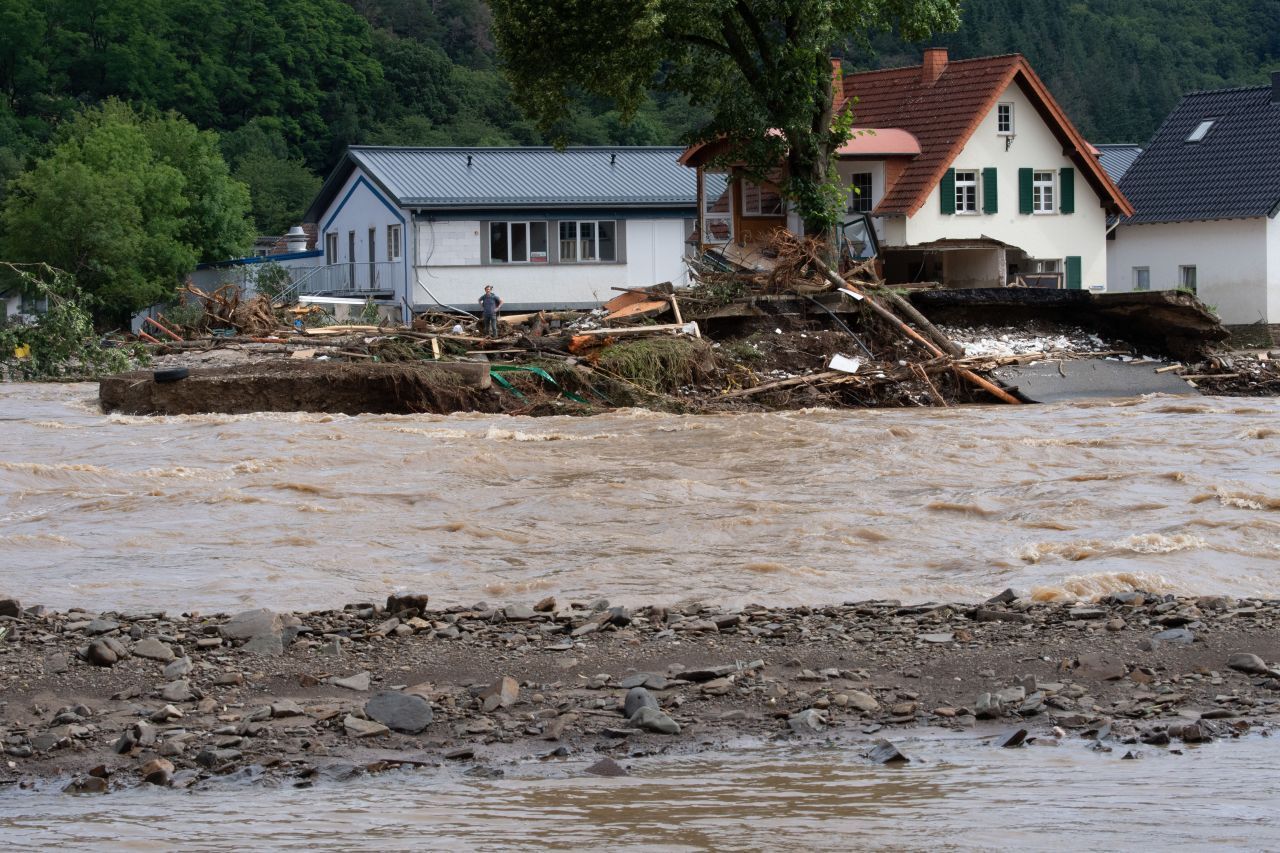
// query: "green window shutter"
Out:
[947,192]
[1073,272]
[990,193]
[1067,190]
[1024,190]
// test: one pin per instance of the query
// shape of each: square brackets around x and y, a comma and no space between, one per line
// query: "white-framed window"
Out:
[1187,278]
[717,208]
[394,248]
[331,247]
[518,242]
[758,200]
[966,191]
[589,241]
[860,200]
[1043,192]
[1004,119]
[1142,278]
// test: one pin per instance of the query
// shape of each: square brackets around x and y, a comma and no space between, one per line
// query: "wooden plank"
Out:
[650,308]
[631,330]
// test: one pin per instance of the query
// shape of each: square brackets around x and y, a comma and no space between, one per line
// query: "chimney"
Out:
[1275,87]
[935,62]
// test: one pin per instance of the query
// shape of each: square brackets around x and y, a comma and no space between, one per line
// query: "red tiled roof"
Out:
[945,114]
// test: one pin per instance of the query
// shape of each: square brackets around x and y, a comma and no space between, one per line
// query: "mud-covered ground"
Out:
[106,700]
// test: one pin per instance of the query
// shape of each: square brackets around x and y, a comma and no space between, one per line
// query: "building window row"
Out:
[395,245]
[579,241]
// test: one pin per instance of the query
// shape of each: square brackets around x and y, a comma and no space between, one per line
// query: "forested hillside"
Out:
[288,83]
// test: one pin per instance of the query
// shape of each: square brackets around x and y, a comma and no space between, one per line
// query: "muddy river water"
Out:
[312,511]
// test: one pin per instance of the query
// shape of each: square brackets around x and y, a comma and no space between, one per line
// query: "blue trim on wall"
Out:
[261,259]
[395,211]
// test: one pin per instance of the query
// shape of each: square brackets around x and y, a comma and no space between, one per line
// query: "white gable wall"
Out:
[358,207]
[1273,269]
[1044,236]
[1233,270]
[451,270]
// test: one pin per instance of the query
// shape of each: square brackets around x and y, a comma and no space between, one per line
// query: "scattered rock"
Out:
[518,613]
[11,607]
[177,669]
[87,785]
[885,752]
[266,645]
[358,682]
[356,727]
[503,693]
[401,712]
[153,649]
[1010,739]
[606,767]
[654,720]
[1250,663]
[637,698]
[285,708]
[1176,636]
[178,691]
[399,602]
[808,721]
[158,771]
[250,624]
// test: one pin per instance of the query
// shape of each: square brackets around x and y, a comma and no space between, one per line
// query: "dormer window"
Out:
[1004,119]
[1202,130]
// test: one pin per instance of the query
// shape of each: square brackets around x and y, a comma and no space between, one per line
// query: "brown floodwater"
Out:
[219,512]
[959,793]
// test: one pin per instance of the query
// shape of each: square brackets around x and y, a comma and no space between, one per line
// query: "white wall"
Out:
[357,207]
[1230,257]
[449,267]
[846,168]
[1046,236]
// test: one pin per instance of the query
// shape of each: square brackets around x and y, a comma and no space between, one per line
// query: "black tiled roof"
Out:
[1233,173]
[1116,159]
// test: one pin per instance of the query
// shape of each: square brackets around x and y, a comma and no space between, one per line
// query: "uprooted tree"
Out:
[761,67]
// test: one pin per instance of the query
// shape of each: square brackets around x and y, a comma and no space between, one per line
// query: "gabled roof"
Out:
[1232,173]
[945,113]
[621,176]
[1116,159]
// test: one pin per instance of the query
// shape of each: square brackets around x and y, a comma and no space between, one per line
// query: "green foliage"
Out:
[656,364]
[757,66]
[61,343]
[272,280]
[128,205]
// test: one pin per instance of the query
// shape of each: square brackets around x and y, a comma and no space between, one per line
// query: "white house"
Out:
[430,227]
[970,173]
[1207,198]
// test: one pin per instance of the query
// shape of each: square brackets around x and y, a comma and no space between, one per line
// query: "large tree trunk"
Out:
[809,163]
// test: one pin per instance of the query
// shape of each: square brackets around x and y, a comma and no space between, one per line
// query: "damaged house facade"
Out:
[429,227]
[1207,194]
[968,173]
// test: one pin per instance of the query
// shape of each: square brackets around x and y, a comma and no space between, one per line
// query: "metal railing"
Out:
[356,279]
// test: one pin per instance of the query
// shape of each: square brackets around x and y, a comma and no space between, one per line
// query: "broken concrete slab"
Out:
[1088,378]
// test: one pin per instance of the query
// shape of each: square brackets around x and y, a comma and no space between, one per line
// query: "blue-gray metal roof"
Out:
[1232,173]
[1116,159]
[542,177]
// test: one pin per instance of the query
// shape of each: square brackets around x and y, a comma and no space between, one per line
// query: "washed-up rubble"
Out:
[180,699]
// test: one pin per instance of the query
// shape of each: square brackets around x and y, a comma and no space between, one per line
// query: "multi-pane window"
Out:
[1042,192]
[760,201]
[588,241]
[393,242]
[1142,278]
[518,242]
[860,193]
[966,191]
[1187,278]
[1004,119]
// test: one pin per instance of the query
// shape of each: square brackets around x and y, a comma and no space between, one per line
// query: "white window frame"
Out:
[530,256]
[861,202]
[1187,282]
[1044,191]
[1201,130]
[1004,118]
[967,185]
[395,249]
[1139,274]
[578,243]
[747,207]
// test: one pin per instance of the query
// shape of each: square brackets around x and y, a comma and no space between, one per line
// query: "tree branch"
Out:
[757,34]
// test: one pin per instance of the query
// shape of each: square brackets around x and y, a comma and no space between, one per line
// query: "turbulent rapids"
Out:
[301,511]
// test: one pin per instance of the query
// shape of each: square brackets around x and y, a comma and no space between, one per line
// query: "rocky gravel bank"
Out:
[102,701]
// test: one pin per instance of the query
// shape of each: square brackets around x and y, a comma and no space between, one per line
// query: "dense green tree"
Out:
[762,67]
[128,205]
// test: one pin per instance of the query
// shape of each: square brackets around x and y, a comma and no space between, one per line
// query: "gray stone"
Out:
[101,626]
[401,712]
[87,785]
[634,680]
[251,623]
[177,691]
[808,721]
[1100,667]
[885,752]
[653,720]
[57,663]
[986,707]
[11,607]
[1250,663]
[286,708]
[1010,695]
[166,714]
[864,702]
[937,638]
[1087,613]
[157,771]
[266,645]
[518,613]
[358,682]
[637,698]
[606,767]
[100,653]
[1010,739]
[398,602]
[708,673]
[177,669]
[153,649]
[356,727]
[1177,636]
[215,758]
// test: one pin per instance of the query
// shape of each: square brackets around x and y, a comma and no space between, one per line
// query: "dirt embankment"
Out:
[112,699]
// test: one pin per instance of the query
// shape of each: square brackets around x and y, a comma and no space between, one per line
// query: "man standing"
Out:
[490,302]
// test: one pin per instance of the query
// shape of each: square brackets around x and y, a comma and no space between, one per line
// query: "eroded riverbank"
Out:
[107,700]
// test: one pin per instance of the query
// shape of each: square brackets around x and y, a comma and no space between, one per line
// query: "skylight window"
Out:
[1202,130]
